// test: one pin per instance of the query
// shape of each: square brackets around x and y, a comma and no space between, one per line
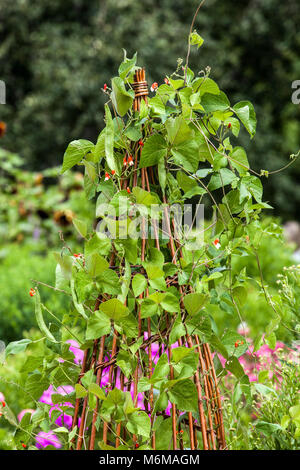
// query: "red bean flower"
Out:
[141,143]
[130,160]
[31,293]
[154,86]
[229,125]
[113,172]
[105,87]
[128,190]
[107,176]
[166,81]
[125,161]
[216,242]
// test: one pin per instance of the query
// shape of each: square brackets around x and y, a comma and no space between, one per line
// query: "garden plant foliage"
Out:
[188,133]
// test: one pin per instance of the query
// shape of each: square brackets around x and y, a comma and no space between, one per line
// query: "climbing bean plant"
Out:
[187,133]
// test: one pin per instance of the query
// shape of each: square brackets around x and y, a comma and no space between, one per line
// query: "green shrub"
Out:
[19,264]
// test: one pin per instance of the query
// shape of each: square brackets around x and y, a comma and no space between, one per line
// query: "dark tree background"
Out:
[55,57]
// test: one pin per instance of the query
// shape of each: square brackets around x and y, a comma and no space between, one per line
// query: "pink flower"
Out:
[23,412]
[243,329]
[44,439]
[63,419]
[78,353]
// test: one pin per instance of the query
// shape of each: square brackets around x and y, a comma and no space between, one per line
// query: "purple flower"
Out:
[63,419]
[78,353]
[44,439]
[23,412]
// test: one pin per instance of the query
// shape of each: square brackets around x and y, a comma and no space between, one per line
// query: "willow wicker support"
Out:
[207,433]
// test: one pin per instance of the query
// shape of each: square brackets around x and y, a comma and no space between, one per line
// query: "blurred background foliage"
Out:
[55,57]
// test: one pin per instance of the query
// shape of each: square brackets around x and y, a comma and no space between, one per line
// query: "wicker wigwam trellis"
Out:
[204,428]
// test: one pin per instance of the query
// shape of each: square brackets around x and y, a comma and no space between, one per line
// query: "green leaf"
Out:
[98,325]
[36,384]
[295,412]
[17,346]
[109,282]
[180,353]
[149,308]
[213,103]
[144,197]
[121,98]
[97,245]
[96,265]
[80,391]
[127,65]
[194,303]
[99,150]
[139,424]
[186,155]
[80,226]
[177,130]
[268,429]
[114,309]
[285,421]
[163,438]
[139,284]
[161,370]
[170,303]
[239,160]
[154,151]
[223,178]
[234,366]
[271,340]
[206,85]
[184,394]
[199,324]
[230,339]
[177,331]
[129,326]
[75,152]
[254,186]
[126,363]
[246,113]
[96,390]
[65,263]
